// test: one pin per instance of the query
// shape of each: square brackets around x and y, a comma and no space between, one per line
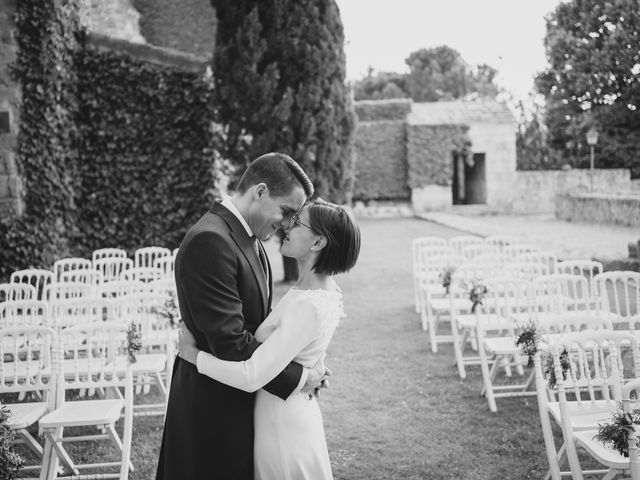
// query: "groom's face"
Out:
[271,213]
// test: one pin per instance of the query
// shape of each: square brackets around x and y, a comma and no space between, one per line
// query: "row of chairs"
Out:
[156,264]
[53,366]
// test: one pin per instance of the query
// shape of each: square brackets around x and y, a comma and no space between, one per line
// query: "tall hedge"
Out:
[279,67]
[113,151]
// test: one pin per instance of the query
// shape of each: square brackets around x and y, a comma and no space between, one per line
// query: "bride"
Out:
[289,441]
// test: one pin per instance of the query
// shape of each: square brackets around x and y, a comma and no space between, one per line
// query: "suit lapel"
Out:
[245,244]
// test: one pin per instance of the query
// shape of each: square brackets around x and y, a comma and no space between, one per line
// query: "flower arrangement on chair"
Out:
[477,292]
[616,432]
[528,341]
[10,461]
[445,277]
[134,341]
[169,311]
[549,370]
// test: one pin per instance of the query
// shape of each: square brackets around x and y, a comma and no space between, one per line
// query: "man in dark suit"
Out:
[224,286]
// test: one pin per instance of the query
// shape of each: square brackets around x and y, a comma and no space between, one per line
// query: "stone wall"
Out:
[599,208]
[112,18]
[534,191]
[10,182]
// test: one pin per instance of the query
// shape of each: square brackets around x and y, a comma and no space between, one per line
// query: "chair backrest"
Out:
[142,274]
[473,250]
[568,322]
[112,267]
[55,292]
[507,302]
[497,259]
[587,268]
[144,257]
[526,270]
[17,291]
[121,288]
[24,313]
[501,241]
[561,292]
[165,265]
[88,356]
[76,311]
[546,258]
[518,248]
[90,277]
[164,286]
[107,253]
[144,310]
[619,292]
[37,277]
[458,242]
[27,360]
[67,265]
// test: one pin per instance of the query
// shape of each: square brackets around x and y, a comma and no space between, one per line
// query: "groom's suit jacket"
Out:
[223,298]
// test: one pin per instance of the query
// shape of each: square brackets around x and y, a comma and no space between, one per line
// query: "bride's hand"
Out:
[187,349]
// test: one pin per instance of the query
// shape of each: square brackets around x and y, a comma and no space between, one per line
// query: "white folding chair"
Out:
[67,265]
[417,244]
[102,253]
[87,357]
[159,344]
[458,242]
[17,291]
[144,257]
[81,310]
[548,259]
[431,288]
[142,274]
[24,313]
[587,268]
[27,367]
[595,379]
[501,241]
[589,365]
[111,268]
[508,301]
[561,293]
[37,277]
[497,260]
[516,249]
[619,292]
[165,265]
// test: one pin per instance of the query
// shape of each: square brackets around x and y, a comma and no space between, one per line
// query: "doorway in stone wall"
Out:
[469,185]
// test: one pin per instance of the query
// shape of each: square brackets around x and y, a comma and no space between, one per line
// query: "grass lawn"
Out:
[394,410]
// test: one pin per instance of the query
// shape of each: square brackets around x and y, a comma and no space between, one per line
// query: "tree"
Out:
[279,68]
[593,49]
[438,73]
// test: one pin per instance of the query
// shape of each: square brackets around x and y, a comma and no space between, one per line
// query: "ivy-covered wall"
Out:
[381,161]
[430,152]
[113,150]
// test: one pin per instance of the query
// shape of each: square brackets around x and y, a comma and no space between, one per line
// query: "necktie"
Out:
[262,259]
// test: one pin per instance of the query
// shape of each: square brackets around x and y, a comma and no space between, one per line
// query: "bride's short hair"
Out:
[337,225]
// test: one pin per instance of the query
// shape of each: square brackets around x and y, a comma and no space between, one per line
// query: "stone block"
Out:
[633,250]
[8,162]
[7,26]
[7,57]
[4,186]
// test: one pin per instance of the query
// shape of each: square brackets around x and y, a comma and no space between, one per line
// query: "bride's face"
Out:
[300,238]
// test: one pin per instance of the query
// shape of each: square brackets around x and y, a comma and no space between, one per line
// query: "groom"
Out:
[224,286]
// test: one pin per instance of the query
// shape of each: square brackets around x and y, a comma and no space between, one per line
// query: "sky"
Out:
[506,34]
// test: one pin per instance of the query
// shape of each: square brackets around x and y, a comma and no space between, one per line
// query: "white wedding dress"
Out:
[289,436]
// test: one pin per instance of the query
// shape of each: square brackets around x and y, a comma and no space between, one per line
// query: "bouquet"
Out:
[445,277]
[169,311]
[134,341]
[477,292]
[528,341]
[10,461]
[550,371]
[616,431]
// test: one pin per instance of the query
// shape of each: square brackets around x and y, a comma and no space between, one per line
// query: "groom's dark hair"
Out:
[279,172]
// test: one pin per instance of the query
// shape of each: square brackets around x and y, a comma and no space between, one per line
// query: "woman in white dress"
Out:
[289,442]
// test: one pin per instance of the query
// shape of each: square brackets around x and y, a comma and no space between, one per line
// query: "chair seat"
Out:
[25,414]
[490,322]
[601,452]
[501,345]
[84,412]
[587,416]
[145,362]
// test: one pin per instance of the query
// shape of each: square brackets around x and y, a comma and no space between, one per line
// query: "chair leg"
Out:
[457,349]
[486,378]
[58,451]
[31,442]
